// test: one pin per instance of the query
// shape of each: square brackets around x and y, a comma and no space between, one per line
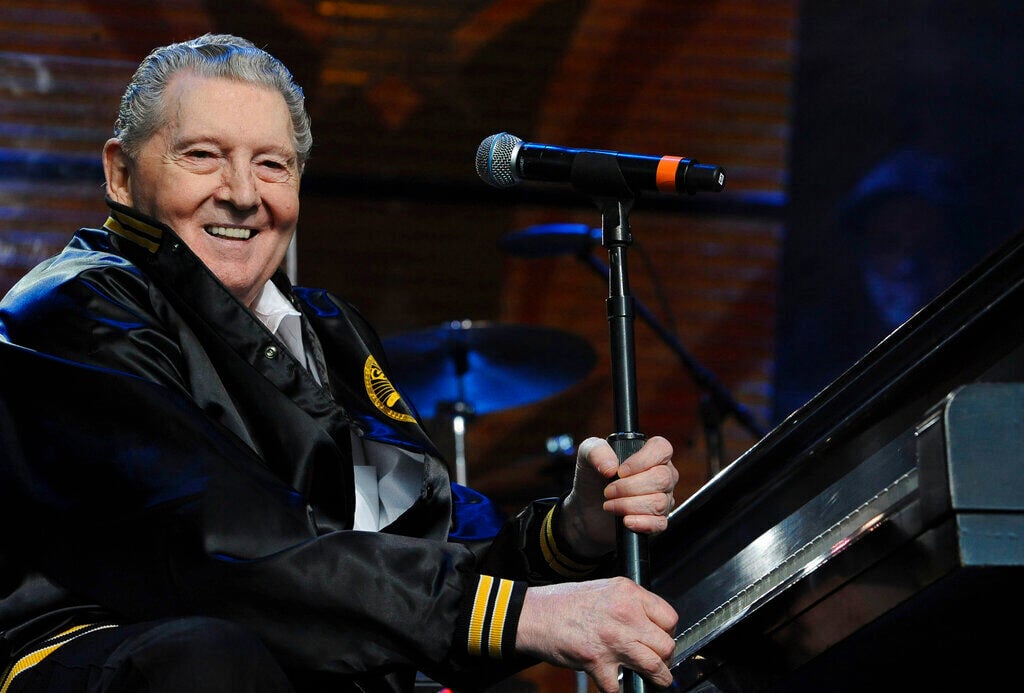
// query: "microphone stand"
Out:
[600,174]
[633,553]
[716,403]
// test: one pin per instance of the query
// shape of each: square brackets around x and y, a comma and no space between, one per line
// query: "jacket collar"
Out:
[135,227]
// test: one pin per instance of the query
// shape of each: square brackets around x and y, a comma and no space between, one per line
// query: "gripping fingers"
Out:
[649,658]
[655,451]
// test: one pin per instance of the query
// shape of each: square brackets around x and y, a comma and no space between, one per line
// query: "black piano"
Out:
[874,540]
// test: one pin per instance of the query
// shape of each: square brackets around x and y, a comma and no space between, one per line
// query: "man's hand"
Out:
[598,626]
[642,495]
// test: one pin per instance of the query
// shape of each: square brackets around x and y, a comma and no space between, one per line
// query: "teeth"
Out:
[229,232]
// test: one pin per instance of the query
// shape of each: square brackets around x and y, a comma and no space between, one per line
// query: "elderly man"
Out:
[255,515]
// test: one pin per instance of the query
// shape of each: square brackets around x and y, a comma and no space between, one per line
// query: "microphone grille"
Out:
[494,160]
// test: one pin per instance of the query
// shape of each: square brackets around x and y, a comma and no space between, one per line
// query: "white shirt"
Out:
[285,322]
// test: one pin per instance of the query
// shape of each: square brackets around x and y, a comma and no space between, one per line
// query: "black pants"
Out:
[194,655]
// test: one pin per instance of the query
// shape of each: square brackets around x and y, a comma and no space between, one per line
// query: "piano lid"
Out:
[817,534]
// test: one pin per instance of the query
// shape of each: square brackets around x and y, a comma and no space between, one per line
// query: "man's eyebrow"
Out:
[182,142]
[283,151]
[286,153]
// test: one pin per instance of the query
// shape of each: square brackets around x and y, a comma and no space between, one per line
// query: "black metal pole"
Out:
[705,379]
[598,174]
[634,558]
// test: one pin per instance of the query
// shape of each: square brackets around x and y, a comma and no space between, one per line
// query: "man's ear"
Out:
[117,170]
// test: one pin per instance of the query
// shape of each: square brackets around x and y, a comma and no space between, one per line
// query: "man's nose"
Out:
[239,186]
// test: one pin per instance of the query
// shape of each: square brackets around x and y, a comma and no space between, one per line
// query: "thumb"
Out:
[596,457]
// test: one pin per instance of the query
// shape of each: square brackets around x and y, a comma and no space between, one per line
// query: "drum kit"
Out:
[464,368]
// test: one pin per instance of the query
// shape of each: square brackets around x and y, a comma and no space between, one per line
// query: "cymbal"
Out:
[542,240]
[484,367]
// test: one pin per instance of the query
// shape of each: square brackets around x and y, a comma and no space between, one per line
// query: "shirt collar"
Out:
[272,307]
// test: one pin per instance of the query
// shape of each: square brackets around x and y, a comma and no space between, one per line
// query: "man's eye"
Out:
[201,160]
[273,170]
[276,164]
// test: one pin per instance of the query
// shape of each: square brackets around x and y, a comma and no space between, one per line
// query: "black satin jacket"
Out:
[164,454]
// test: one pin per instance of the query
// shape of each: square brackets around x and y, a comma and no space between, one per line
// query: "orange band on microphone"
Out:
[665,177]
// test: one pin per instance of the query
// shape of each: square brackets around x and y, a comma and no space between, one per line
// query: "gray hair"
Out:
[210,55]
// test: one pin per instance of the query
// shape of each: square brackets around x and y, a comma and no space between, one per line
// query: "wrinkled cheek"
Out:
[293,216]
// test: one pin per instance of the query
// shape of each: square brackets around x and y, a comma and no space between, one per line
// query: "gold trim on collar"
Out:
[138,232]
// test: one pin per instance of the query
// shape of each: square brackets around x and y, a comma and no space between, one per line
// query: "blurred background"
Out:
[871,148]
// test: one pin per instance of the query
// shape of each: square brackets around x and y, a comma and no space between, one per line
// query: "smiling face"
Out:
[222,172]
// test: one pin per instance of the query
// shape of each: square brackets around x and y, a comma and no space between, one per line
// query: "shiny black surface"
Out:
[811,561]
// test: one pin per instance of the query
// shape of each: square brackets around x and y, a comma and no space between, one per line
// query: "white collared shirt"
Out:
[285,322]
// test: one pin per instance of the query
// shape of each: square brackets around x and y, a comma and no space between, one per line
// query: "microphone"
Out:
[504,160]
[543,240]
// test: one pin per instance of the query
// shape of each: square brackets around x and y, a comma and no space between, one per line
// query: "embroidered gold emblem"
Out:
[381,392]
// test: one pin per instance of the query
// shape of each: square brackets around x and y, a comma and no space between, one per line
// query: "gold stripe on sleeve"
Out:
[476,622]
[499,613]
[559,562]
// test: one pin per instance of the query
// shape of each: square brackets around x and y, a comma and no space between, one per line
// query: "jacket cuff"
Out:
[559,557]
[489,619]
